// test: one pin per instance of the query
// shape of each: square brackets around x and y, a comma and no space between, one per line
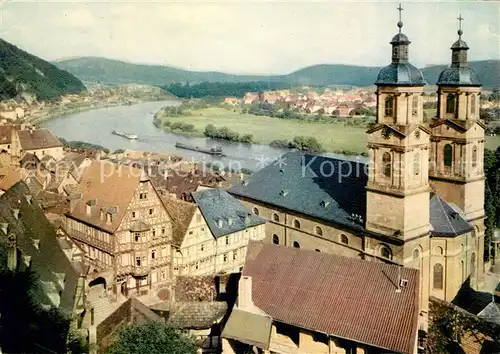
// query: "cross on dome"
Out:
[460,19]
[400,23]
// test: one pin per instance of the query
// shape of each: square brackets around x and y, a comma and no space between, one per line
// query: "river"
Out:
[96,126]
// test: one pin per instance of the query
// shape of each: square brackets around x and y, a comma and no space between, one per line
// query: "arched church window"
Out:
[414,105]
[276,239]
[296,224]
[474,156]
[318,231]
[387,164]
[416,253]
[385,252]
[416,164]
[296,244]
[438,276]
[473,105]
[450,104]
[389,106]
[448,155]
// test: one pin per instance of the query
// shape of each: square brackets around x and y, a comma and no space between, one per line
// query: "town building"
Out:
[120,222]
[301,301]
[417,202]
[212,234]
[40,142]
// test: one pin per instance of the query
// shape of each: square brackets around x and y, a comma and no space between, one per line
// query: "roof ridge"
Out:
[441,200]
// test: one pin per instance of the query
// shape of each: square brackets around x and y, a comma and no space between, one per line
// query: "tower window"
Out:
[474,156]
[389,106]
[473,105]
[450,104]
[448,155]
[438,276]
[416,164]
[387,164]
[385,252]
[414,105]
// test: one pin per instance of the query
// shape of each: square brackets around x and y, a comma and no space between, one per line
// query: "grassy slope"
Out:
[332,136]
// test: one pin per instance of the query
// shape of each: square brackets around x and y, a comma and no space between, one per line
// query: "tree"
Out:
[151,338]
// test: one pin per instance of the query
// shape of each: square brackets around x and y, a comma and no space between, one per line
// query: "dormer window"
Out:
[36,244]
[389,106]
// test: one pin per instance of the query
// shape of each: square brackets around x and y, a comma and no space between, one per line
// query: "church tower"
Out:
[457,143]
[398,144]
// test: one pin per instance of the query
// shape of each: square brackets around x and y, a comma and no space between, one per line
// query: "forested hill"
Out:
[23,72]
[114,72]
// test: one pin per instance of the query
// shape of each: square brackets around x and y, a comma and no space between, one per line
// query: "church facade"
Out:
[418,202]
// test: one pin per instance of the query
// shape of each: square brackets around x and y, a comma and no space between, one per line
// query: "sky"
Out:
[253,37]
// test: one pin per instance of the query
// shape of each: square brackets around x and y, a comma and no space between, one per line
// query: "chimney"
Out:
[102,214]
[4,227]
[12,252]
[245,293]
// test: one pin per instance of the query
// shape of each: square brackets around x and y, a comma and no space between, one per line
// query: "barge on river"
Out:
[212,151]
[125,135]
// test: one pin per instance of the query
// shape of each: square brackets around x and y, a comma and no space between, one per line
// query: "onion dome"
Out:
[400,72]
[459,73]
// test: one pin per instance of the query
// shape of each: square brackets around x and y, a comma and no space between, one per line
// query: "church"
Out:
[417,202]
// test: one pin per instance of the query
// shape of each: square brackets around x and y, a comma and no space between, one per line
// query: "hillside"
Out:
[23,72]
[107,71]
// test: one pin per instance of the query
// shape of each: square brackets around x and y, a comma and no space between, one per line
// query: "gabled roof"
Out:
[402,130]
[181,213]
[249,328]
[447,219]
[37,139]
[460,125]
[108,185]
[223,213]
[48,261]
[340,296]
[195,315]
[11,178]
[298,184]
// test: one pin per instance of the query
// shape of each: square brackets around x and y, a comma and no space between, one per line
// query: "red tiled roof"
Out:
[343,297]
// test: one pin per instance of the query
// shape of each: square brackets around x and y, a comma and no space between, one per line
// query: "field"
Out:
[333,136]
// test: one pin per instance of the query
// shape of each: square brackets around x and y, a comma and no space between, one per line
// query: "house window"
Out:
[318,250]
[225,257]
[138,261]
[227,240]
[296,244]
[163,231]
[438,276]
[191,232]
[318,231]
[450,104]
[143,196]
[416,164]
[448,155]
[385,252]
[387,164]
[276,239]
[137,237]
[153,232]
[296,224]
[202,247]
[153,254]
[133,214]
[276,217]
[151,211]
[235,254]
[474,156]
[344,239]
[255,211]
[389,106]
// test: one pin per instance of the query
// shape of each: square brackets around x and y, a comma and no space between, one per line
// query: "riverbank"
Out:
[334,136]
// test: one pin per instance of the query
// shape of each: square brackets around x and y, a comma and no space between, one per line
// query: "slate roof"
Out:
[195,315]
[298,185]
[340,296]
[249,328]
[223,213]
[37,139]
[49,259]
[404,74]
[447,219]
[458,76]
[181,213]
